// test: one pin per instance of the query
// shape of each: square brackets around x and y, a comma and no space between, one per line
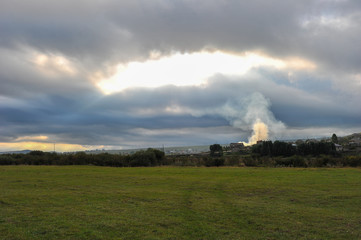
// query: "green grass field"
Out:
[86,202]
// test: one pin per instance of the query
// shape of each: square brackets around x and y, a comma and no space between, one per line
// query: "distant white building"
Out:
[338,147]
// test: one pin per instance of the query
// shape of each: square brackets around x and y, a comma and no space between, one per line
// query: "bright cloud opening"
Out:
[189,69]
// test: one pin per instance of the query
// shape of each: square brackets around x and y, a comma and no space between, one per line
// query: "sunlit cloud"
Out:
[42,143]
[191,69]
[32,138]
[299,64]
[52,65]
[43,146]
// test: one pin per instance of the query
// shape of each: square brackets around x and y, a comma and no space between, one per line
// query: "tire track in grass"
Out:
[233,216]
[195,222]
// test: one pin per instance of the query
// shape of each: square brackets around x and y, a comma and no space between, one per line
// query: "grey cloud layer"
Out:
[97,35]
[222,103]
[124,30]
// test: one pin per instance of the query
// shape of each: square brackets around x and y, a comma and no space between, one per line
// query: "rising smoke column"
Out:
[252,113]
[258,115]
[260,132]
[249,113]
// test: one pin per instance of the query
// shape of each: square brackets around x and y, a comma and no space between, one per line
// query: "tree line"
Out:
[269,154]
[278,148]
[144,158]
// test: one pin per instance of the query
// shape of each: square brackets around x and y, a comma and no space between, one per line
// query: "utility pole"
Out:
[54,147]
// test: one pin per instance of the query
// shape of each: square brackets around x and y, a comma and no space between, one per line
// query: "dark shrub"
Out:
[36,153]
[159,155]
[315,162]
[218,162]
[266,162]
[284,162]
[80,158]
[250,161]
[6,160]
[232,161]
[352,161]
[209,161]
[143,159]
[298,161]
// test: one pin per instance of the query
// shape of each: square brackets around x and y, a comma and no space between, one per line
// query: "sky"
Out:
[109,74]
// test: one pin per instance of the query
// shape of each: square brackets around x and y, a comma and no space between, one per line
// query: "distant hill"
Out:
[16,152]
[354,135]
[347,139]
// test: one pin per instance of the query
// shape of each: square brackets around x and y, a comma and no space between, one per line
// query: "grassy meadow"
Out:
[88,202]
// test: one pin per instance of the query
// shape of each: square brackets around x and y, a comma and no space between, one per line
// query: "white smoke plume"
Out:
[252,115]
